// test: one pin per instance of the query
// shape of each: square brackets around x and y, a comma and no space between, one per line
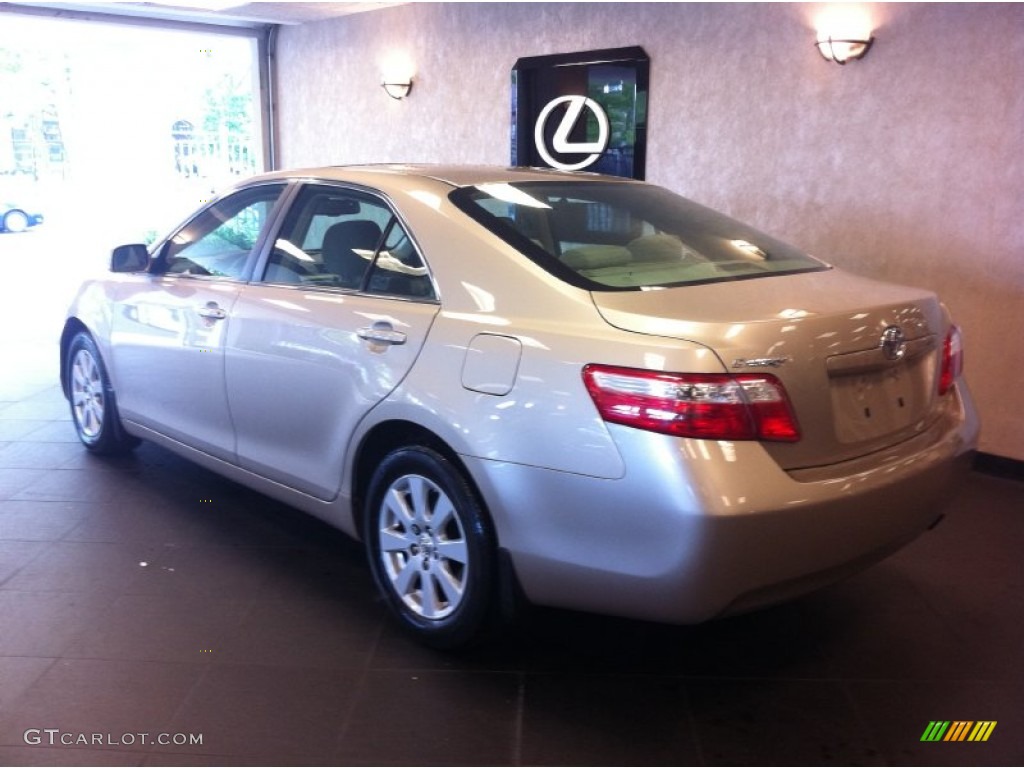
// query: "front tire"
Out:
[431,548]
[93,406]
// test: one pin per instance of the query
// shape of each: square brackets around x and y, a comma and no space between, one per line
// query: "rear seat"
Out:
[588,257]
[662,248]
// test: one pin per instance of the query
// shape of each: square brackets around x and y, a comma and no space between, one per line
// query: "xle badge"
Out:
[560,141]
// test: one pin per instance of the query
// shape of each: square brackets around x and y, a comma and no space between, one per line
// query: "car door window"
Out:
[398,269]
[218,242]
[340,238]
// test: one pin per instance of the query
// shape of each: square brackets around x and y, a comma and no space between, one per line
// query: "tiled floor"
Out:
[128,605]
[148,596]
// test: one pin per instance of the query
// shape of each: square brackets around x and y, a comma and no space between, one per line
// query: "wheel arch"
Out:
[388,436]
[393,434]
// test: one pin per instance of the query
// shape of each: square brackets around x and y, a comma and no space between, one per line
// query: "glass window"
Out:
[398,269]
[219,241]
[341,238]
[626,236]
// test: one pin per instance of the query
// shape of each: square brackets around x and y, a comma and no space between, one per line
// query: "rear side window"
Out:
[626,236]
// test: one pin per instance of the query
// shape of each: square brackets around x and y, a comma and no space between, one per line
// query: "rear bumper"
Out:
[697,529]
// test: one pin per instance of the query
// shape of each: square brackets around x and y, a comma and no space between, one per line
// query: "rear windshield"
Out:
[626,236]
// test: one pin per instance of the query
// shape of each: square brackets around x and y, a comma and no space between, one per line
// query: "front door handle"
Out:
[381,333]
[211,311]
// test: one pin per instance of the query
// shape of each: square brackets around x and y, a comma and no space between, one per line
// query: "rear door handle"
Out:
[381,333]
[211,311]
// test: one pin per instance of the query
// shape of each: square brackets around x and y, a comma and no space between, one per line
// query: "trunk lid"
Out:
[859,359]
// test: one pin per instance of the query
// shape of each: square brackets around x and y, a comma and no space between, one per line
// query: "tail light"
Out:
[710,406]
[952,360]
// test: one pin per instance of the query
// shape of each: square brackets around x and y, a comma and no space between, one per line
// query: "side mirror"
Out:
[129,258]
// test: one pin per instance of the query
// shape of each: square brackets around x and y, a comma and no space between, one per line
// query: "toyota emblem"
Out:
[893,343]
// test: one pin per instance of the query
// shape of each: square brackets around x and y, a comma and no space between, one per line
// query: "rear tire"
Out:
[431,548]
[93,405]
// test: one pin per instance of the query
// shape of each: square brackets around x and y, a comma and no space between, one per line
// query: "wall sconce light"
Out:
[842,50]
[397,87]
[844,30]
[397,71]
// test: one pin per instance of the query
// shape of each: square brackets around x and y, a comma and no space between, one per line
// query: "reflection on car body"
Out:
[584,391]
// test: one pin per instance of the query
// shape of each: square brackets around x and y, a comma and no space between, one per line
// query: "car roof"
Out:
[453,175]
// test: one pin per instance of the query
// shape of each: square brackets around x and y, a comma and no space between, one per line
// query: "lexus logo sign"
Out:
[560,141]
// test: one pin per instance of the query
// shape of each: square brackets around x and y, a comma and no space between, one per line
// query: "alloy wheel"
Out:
[88,399]
[423,547]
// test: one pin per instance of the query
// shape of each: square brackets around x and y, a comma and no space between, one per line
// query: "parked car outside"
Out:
[582,391]
[14,218]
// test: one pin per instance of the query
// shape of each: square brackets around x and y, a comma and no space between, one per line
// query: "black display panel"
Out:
[582,111]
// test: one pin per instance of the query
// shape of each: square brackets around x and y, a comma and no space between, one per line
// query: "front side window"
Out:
[339,238]
[219,241]
[626,236]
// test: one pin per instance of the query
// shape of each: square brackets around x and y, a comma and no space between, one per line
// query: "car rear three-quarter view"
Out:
[587,391]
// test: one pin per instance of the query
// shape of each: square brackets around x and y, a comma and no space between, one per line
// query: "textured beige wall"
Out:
[907,165]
